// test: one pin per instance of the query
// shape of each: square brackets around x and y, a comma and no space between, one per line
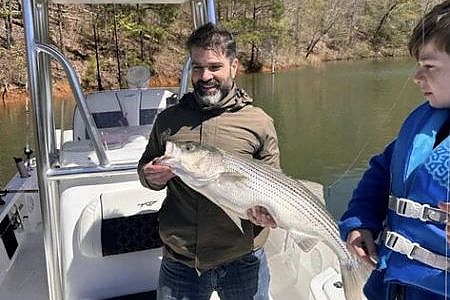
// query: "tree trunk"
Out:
[312,43]
[252,63]
[351,24]
[375,38]
[60,28]
[141,34]
[297,26]
[97,60]
[116,43]
[8,24]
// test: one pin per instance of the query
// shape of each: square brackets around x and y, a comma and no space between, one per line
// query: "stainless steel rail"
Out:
[39,51]
[94,171]
[80,99]
[35,17]
[203,11]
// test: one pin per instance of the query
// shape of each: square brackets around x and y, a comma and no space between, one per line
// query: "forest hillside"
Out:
[103,41]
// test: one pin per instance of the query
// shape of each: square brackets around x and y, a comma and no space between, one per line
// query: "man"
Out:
[204,250]
[400,197]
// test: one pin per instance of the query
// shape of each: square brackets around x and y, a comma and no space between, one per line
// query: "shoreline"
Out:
[62,89]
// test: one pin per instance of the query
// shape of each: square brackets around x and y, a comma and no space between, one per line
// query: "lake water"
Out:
[330,119]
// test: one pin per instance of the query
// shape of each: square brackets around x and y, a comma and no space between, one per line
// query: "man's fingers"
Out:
[260,216]
[269,221]
[250,214]
[157,174]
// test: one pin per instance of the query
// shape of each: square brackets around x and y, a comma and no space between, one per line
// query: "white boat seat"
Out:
[110,225]
[97,221]
[120,108]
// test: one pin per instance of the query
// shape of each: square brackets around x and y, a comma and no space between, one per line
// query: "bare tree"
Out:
[97,59]
[297,25]
[384,18]
[7,16]
[60,27]
[329,18]
[116,49]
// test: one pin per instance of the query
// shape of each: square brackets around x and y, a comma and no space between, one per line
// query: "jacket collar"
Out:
[235,100]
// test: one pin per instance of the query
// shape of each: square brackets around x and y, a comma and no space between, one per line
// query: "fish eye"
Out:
[189,147]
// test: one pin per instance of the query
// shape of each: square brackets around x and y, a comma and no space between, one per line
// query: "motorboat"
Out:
[75,221]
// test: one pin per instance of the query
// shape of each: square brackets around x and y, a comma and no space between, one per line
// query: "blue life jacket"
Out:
[419,173]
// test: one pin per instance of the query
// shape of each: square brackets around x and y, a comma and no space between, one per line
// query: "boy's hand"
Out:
[361,243]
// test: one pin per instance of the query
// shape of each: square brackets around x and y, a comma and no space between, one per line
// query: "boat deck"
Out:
[27,277]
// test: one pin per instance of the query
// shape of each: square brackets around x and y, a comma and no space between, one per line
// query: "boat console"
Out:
[115,241]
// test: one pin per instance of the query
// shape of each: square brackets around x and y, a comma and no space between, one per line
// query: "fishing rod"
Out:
[13,191]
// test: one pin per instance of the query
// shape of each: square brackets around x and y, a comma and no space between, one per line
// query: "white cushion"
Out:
[111,205]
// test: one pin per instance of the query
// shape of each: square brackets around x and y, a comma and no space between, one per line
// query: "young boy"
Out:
[399,197]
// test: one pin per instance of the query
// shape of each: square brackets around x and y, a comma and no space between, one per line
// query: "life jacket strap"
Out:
[412,209]
[400,244]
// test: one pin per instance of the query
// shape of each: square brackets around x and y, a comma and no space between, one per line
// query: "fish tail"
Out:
[354,275]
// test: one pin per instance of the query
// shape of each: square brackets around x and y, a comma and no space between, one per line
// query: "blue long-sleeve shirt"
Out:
[368,207]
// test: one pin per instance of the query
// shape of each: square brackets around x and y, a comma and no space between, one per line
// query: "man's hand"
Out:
[361,243]
[157,174]
[260,216]
[445,206]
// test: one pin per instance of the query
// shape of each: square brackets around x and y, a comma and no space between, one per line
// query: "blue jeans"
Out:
[246,278]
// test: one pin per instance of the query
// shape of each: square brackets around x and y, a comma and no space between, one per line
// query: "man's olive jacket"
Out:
[195,231]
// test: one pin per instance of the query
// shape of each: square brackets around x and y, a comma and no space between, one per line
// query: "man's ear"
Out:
[234,67]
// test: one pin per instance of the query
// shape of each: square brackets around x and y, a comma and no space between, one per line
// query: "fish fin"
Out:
[305,241]
[235,218]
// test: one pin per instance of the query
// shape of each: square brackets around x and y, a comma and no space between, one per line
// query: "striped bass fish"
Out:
[235,184]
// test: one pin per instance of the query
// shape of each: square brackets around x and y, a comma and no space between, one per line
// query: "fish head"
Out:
[195,164]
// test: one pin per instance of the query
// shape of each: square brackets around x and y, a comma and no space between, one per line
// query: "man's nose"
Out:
[206,74]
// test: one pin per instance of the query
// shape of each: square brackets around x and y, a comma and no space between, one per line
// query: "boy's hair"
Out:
[433,27]
[210,36]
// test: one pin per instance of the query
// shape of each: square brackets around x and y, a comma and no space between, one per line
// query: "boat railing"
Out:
[90,171]
[50,174]
[80,100]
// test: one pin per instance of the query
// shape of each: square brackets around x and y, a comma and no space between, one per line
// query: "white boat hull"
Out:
[294,273]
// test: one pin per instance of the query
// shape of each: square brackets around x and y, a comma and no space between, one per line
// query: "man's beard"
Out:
[204,96]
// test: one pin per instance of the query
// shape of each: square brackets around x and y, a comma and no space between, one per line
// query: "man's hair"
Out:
[433,27]
[212,37]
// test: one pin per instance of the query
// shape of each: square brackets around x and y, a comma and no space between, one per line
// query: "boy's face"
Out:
[433,75]
[212,75]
